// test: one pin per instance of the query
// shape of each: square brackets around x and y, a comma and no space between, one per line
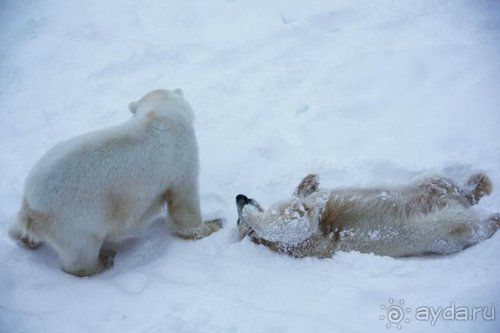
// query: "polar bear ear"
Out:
[133,107]
[179,91]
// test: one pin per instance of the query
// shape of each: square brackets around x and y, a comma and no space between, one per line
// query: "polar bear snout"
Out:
[133,107]
[241,201]
[242,222]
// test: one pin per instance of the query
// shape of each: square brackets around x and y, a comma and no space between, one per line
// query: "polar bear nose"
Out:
[241,200]
[133,107]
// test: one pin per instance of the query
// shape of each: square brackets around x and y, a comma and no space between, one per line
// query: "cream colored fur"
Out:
[102,185]
[429,216]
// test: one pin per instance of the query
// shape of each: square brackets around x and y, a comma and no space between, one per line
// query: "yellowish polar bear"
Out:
[428,216]
[103,185]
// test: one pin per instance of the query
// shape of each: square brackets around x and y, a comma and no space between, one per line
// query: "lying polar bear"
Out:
[102,185]
[429,216]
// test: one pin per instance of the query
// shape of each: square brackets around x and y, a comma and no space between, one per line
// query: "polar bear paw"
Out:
[106,258]
[479,186]
[208,228]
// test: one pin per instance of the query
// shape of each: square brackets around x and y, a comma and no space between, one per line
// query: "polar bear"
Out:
[430,216]
[103,185]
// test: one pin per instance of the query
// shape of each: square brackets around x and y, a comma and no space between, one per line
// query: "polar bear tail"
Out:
[25,228]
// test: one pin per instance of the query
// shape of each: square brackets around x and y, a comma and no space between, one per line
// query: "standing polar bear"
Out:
[431,216]
[103,185]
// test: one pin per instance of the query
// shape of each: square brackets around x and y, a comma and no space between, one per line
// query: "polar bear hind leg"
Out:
[450,237]
[17,233]
[83,256]
[24,230]
[78,251]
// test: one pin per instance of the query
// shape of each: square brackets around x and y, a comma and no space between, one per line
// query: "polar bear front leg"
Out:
[185,213]
[477,186]
[307,186]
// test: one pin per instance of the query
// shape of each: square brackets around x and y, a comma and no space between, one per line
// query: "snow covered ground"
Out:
[361,92]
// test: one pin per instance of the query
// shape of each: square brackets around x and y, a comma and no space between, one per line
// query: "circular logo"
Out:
[395,313]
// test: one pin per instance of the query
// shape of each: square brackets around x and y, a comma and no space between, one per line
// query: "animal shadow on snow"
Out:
[143,248]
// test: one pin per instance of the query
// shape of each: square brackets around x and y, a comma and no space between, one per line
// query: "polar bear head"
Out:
[164,103]
[247,209]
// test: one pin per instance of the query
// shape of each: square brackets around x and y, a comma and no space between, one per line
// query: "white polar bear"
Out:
[431,216]
[102,185]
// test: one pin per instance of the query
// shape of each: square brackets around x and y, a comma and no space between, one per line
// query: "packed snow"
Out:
[360,92]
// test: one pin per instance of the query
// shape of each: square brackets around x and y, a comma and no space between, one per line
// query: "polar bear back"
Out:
[135,162]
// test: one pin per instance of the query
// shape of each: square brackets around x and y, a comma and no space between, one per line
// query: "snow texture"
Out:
[361,92]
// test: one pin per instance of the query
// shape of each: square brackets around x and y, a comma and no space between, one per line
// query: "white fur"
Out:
[430,216]
[102,185]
